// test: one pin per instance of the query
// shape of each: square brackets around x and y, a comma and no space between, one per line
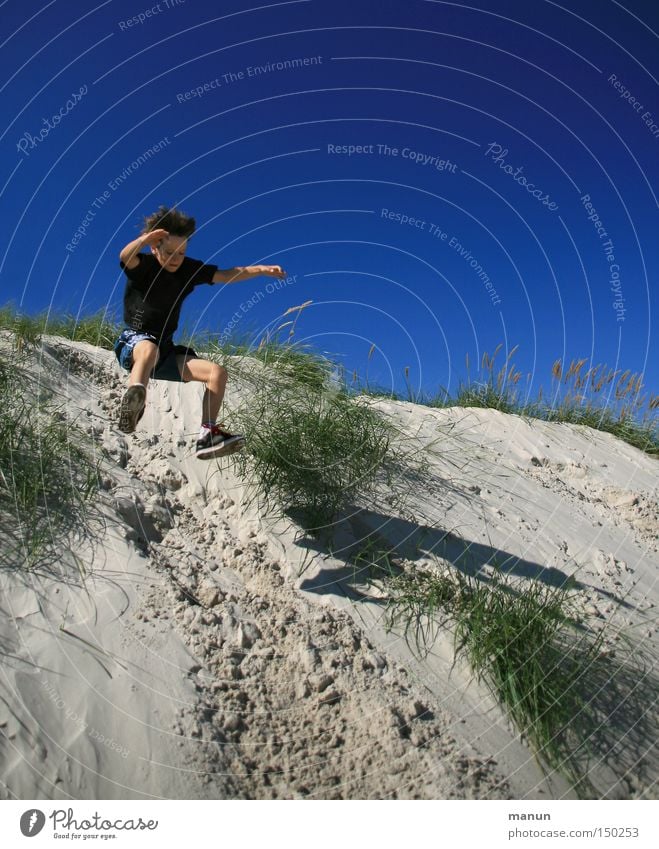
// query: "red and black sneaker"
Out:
[216,442]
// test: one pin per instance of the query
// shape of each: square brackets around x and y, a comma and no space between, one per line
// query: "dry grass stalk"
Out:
[298,308]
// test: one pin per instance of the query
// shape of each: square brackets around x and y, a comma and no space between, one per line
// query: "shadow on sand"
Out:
[359,530]
[607,748]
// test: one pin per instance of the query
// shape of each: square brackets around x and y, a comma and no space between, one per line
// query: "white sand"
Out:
[211,652]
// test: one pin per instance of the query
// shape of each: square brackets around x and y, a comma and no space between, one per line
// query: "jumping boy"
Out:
[158,283]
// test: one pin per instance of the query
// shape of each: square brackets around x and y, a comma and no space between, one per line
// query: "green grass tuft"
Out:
[46,473]
[97,329]
[529,644]
[311,448]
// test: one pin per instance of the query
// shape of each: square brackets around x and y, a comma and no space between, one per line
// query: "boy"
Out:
[158,283]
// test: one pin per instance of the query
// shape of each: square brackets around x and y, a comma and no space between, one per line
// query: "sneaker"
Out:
[132,408]
[215,442]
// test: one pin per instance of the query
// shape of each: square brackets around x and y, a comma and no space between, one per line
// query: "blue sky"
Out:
[437,178]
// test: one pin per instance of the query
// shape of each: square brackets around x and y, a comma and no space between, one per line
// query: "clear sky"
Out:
[436,177]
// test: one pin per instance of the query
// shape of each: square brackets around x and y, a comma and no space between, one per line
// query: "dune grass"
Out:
[297,363]
[606,399]
[46,474]
[311,448]
[98,329]
[531,645]
[603,398]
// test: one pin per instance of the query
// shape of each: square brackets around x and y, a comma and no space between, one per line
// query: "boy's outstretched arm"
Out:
[246,272]
[128,255]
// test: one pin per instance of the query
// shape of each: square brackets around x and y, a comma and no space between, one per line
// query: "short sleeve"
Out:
[137,274]
[197,272]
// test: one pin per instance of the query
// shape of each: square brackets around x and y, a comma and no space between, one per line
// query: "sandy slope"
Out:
[211,652]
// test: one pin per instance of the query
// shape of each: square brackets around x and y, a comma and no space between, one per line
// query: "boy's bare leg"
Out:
[145,357]
[215,378]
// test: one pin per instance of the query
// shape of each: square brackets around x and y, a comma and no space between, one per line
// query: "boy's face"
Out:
[170,252]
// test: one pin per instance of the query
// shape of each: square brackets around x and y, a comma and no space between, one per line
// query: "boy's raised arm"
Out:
[128,255]
[246,272]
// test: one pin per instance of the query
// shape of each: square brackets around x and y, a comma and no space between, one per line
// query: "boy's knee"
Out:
[145,352]
[218,374]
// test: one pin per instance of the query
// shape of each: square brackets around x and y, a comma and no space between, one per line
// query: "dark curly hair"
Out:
[175,222]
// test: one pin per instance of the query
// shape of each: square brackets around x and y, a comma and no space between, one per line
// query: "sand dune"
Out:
[212,651]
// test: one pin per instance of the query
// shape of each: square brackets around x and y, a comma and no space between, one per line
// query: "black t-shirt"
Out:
[153,296]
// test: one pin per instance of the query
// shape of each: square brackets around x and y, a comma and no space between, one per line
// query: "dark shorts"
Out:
[166,367]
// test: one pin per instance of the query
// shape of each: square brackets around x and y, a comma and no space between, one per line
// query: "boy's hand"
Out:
[271,270]
[130,255]
[154,237]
